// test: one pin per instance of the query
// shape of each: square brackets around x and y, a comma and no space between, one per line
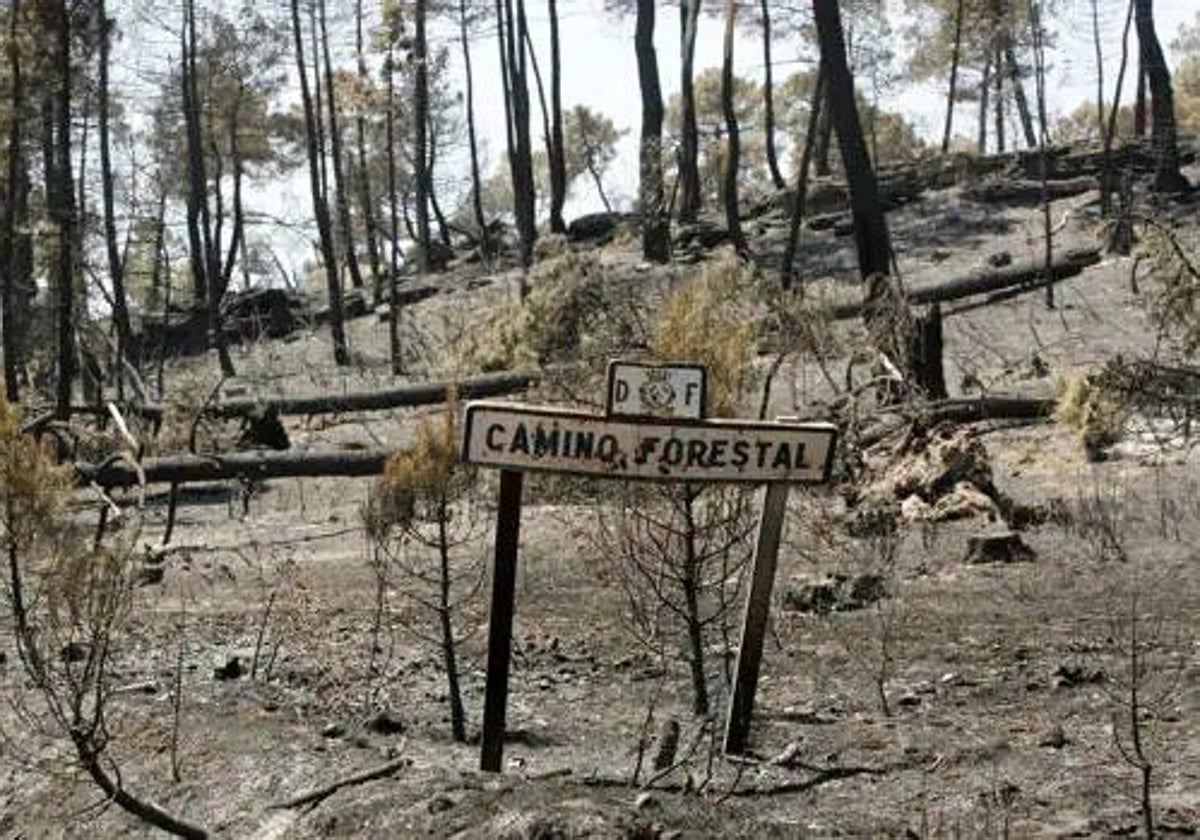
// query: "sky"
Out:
[600,71]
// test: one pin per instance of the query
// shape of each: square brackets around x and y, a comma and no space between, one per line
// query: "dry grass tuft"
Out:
[707,320]
[418,481]
[1095,414]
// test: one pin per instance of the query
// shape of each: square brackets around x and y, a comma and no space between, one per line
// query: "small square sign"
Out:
[637,389]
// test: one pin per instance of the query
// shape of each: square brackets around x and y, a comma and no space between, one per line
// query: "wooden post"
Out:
[754,624]
[504,580]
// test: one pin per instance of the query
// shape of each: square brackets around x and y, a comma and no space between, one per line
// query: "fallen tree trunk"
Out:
[963,410]
[1018,274]
[404,396]
[425,393]
[1026,192]
[182,469]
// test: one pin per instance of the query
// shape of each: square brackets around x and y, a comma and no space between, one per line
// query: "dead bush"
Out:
[1095,413]
[709,320]
[574,310]
[419,521]
[67,603]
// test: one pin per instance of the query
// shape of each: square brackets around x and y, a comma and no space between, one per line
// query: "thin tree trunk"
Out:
[769,99]
[870,227]
[824,140]
[237,239]
[1039,69]
[656,243]
[341,197]
[472,141]
[12,364]
[458,717]
[591,167]
[341,354]
[541,92]
[1140,123]
[691,596]
[200,222]
[999,105]
[196,178]
[62,209]
[1099,69]
[985,86]
[1110,135]
[506,82]
[558,157]
[318,100]
[114,789]
[394,272]
[1018,90]
[420,128]
[524,192]
[733,143]
[788,276]
[365,197]
[443,227]
[116,269]
[1167,177]
[952,95]
[690,197]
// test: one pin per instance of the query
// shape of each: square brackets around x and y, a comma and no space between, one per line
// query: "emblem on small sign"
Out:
[657,392]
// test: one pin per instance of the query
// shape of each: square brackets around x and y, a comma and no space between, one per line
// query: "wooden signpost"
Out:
[654,430]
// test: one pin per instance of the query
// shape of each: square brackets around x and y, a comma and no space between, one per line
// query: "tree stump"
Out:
[1003,547]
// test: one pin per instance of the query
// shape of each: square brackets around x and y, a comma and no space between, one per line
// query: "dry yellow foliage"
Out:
[419,482]
[706,321]
[1096,416]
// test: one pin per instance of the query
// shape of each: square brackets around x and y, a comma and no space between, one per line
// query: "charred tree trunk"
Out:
[237,239]
[788,276]
[458,716]
[656,242]
[443,227]
[365,197]
[1167,177]
[824,138]
[1018,91]
[420,154]
[985,86]
[341,354]
[116,269]
[998,105]
[205,262]
[769,99]
[8,241]
[1107,179]
[1039,69]
[472,140]
[870,228]
[690,200]
[952,95]
[1096,44]
[541,92]
[1140,123]
[341,196]
[521,161]
[393,208]
[61,203]
[558,156]
[733,143]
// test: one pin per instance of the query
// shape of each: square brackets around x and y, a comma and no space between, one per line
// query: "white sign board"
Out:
[519,437]
[647,390]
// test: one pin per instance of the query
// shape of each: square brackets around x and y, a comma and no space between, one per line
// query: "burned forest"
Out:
[650,419]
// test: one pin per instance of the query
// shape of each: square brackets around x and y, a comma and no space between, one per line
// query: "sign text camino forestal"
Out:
[653,428]
[536,438]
